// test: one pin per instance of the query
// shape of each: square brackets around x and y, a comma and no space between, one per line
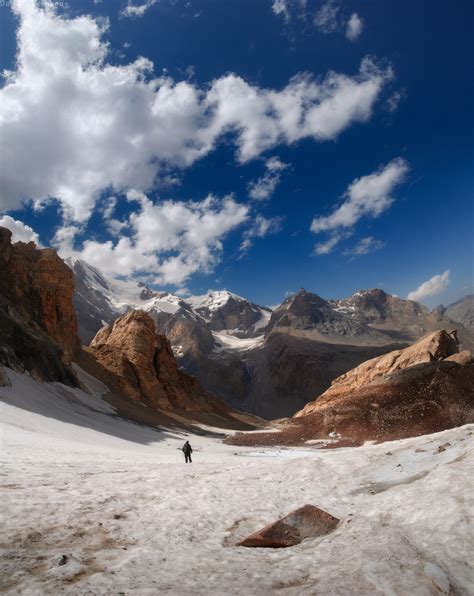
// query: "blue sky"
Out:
[255,135]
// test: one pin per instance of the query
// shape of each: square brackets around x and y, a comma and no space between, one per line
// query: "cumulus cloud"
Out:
[354,27]
[264,187]
[20,231]
[169,240]
[137,10]
[432,287]
[365,246]
[79,124]
[261,227]
[368,196]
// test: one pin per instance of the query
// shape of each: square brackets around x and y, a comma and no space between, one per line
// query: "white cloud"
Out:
[20,231]
[328,19]
[264,187]
[260,228]
[324,248]
[285,8]
[79,124]
[280,7]
[393,101]
[365,246]
[432,287]
[368,196]
[354,27]
[171,240]
[137,10]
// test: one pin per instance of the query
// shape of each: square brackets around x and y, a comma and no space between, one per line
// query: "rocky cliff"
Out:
[146,369]
[37,318]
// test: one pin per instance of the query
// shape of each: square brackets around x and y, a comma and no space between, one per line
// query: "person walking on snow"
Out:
[187,450]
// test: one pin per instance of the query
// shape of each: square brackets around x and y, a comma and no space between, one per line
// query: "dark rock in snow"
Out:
[306,522]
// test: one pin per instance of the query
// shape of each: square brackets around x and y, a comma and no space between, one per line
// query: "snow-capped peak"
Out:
[213,300]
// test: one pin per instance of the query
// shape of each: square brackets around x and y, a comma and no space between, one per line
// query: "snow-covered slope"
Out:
[129,516]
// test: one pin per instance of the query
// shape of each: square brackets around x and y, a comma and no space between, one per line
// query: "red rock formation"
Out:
[305,522]
[425,388]
[146,368]
[40,286]
[37,318]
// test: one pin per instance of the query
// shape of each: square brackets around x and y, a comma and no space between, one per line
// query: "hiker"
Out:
[187,450]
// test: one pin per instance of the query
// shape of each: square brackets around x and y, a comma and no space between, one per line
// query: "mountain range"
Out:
[266,362]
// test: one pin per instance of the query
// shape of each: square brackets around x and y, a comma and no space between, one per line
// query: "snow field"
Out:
[117,499]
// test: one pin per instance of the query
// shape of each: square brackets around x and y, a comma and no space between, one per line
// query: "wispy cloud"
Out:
[137,10]
[368,196]
[328,18]
[364,247]
[432,287]
[264,187]
[261,227]
[354,27]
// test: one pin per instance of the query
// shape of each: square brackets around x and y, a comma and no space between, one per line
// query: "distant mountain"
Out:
[267,363]
[462,311]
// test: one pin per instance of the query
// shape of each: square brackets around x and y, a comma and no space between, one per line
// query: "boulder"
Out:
[306,522]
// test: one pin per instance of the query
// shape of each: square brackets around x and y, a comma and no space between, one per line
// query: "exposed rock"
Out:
[435,346]
[146,368]
[443,447]
[306,522]
[317,318]
[37,317]
[40,286]
[405,393]
[462,311]
[463,358]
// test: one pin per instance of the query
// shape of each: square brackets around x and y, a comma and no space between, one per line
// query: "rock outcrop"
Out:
[425,388]
[305,522]
[434,347]
[37,318]
[146,369]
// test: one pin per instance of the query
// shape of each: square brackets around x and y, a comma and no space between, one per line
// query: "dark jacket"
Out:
[187,448]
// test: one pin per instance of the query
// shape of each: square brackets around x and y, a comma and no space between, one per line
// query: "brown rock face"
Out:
[434,347]
[37,319]
[40,286]
[425,388]
[306,522]
[146,368]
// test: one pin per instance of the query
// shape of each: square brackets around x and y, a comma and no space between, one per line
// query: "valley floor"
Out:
[118,500]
